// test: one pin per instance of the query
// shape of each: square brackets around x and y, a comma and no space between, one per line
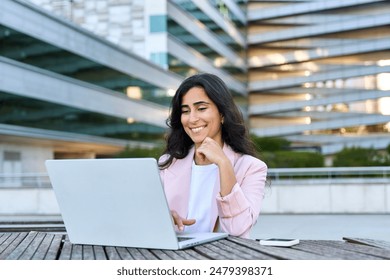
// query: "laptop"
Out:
[117,202]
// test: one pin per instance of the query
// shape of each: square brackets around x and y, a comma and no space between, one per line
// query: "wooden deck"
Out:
[39,245]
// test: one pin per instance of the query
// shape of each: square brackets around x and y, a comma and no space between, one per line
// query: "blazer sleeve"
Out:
[239,210]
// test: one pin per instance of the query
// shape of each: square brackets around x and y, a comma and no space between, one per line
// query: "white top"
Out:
[202,196]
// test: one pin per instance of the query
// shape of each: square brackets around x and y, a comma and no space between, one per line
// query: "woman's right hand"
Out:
[181,222]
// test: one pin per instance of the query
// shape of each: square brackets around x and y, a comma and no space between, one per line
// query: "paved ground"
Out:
[322,227]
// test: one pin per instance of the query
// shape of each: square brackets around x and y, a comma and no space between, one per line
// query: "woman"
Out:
[211,177]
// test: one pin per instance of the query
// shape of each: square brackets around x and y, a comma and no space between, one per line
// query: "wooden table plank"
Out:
[147,254]
[44,245]
[22,246]
[359,248]
[66,251]
[99,252]
[55,247]
[175,255]
[32,248]
[333,252]
[43,248]
[185,255]
[371,242]
[210,253]
[229,251]
[3,238]
[88,252]
[77,252]
[195,254]
[160,254]
[124,253]
[70,251]
[112,253]
[249,252]
[278,252]
[11,243]
[136,254]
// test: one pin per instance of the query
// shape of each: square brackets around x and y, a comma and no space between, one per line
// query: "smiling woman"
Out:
[211,176]
[200,117]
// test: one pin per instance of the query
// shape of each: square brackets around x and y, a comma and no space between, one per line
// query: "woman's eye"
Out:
[202,108]
[185,112]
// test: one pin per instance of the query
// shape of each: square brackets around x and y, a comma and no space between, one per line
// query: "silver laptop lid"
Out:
[114,202]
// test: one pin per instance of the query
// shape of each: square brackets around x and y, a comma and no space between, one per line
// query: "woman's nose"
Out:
[193,117]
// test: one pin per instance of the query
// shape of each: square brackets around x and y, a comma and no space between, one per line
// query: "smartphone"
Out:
[279,242]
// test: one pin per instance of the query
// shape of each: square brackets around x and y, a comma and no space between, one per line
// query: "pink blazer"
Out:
[235,213]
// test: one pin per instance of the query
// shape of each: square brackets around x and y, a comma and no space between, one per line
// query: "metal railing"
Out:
[25,180]
[376,174]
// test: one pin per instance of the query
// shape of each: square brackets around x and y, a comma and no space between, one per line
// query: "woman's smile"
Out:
[197,129]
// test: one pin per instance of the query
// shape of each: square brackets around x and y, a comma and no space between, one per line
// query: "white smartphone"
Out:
[280,242]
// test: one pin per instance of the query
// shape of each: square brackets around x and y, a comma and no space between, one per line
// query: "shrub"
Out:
[270,143]
[358,156]
[140,152]
[291,159]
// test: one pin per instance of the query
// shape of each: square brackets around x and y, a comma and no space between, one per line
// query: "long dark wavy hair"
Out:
[234,131]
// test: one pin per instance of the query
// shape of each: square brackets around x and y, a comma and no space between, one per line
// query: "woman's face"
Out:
[200,117]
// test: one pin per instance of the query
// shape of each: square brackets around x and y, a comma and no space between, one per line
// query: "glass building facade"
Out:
[88,78]
[319,71]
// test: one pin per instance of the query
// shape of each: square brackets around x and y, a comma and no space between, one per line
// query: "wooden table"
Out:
[55,246]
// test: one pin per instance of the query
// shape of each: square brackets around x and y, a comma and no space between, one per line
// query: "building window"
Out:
[158,23]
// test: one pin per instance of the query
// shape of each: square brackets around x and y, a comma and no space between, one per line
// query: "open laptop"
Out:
[117,202]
